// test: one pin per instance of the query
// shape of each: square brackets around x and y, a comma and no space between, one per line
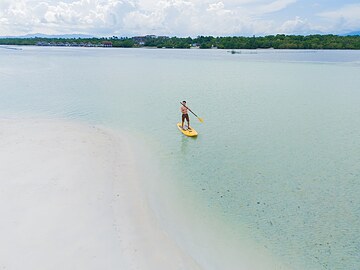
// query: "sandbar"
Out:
[71,197]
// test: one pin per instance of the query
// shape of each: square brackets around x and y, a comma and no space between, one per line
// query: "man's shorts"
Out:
[185,116]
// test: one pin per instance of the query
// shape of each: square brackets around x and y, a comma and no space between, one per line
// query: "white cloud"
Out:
[127,17]
[91,16]
[163,17]
[296,26]
[274,6]
[205,17]
[216,6]
[166,17]
[347,17]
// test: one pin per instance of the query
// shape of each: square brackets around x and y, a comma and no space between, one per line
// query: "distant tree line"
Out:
[203,42]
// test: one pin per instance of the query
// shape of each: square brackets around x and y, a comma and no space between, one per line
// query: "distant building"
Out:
[195,46]
[107,44]
[41,43]
[141,40]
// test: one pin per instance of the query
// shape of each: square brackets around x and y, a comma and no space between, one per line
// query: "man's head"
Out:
[184,102]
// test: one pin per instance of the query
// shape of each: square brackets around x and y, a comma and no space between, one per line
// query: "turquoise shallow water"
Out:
[278,152]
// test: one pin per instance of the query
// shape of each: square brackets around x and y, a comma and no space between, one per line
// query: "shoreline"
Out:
[71,197]
[278,41]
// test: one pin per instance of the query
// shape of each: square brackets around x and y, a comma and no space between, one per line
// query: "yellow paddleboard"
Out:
[188,132]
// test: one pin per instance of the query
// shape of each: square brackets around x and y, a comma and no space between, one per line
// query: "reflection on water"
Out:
[186,144]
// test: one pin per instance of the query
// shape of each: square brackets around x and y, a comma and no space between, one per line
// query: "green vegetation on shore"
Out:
[202,42]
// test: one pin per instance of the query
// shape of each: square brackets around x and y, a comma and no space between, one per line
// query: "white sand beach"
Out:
[71,198]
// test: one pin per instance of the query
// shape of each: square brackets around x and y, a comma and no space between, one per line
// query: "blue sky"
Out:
[178,17]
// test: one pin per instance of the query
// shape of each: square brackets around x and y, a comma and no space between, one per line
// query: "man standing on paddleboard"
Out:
[184,111]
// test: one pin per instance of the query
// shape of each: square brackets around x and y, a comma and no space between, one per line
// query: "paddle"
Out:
[200,119]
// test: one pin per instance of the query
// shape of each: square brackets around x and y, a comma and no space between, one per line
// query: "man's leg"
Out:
[188,121]
[182,121]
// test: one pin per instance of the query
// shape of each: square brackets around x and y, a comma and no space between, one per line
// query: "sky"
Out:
[180,18]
